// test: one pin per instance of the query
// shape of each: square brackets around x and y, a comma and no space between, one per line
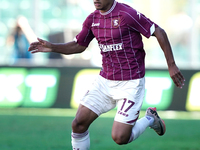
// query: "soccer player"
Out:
[118,29]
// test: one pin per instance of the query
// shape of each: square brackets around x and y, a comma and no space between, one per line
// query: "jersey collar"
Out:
[111,9]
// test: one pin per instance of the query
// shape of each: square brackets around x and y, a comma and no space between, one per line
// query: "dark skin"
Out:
[174,71]
[120,132]
[103,5]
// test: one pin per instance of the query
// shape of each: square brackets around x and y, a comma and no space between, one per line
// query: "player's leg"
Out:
[126,126]
[139,127]
[92,105]
[152,120]
[80,125]
[95,102]
[123,133]
[84,117]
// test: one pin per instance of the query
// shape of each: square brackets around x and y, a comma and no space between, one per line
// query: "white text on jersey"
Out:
[95,24]
[112,47]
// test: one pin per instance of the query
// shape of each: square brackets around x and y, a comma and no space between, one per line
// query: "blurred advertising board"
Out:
[63,87]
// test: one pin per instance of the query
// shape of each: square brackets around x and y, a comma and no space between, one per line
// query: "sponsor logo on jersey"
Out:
[116,22]
[112,47]
[95,24]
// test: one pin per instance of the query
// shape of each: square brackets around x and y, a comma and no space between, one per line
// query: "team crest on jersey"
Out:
[116,22]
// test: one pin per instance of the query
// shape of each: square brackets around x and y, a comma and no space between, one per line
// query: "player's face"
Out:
[103,5]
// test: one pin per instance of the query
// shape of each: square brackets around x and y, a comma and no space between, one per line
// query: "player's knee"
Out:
[120,139]
[78,126]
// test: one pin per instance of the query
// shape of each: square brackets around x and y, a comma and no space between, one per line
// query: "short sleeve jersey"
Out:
[118,32]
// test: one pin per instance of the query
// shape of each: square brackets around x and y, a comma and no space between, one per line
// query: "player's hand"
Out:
[40,46]
[176,76]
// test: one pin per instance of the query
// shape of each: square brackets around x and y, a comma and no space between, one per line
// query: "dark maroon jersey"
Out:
[118,32]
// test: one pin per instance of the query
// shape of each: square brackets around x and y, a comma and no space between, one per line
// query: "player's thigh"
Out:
[84,117]
[121,132]
[128,108]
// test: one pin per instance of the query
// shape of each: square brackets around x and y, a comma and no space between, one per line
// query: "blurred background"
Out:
[25,75]
[61,20]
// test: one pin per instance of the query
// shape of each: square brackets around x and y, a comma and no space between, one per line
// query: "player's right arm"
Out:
[63,48]
[80,43]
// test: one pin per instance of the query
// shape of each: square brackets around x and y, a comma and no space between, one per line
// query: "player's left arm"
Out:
[174,71]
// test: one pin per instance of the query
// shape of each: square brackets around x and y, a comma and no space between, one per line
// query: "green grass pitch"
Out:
[50,129]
